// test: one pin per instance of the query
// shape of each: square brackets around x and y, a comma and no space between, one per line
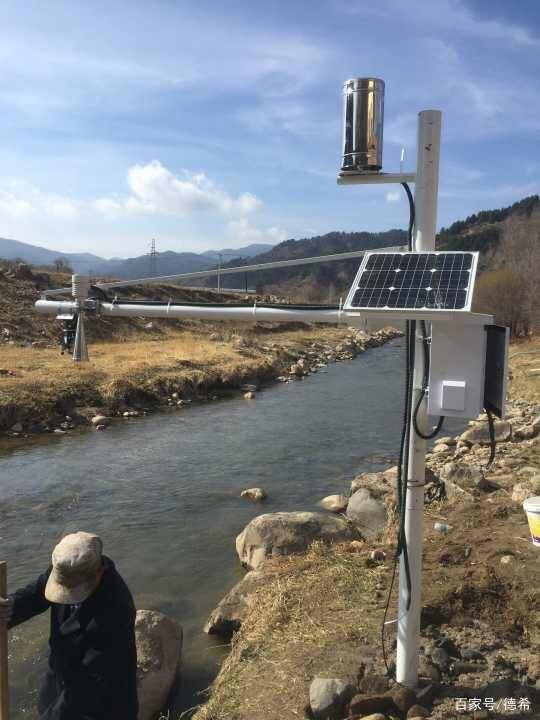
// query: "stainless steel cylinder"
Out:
[363,115]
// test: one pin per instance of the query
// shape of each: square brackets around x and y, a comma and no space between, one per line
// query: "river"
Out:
[163,492]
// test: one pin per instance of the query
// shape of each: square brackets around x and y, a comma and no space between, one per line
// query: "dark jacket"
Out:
[92,671]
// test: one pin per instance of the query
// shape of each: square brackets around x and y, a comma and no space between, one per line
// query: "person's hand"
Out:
[6,609]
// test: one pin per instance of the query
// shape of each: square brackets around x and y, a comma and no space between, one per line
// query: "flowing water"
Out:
[163,492]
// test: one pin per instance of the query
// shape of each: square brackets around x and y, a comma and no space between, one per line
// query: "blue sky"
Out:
[214,124]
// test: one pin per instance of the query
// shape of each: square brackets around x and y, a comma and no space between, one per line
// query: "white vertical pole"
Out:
[408,629]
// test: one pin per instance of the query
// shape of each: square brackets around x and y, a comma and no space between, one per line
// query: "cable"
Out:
[421,396]
[403,462]
[492,441]
[412,215]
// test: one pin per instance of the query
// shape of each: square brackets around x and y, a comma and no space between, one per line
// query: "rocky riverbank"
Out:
[44,393]
[306,619]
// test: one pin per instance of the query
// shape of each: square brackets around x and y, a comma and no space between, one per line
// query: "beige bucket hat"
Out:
[76,560]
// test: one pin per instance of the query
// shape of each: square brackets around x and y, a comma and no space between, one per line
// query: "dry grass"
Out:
[524,358]
[315,615]
[142,371]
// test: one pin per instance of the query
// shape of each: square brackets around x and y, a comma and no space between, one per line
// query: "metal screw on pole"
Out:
[4,678]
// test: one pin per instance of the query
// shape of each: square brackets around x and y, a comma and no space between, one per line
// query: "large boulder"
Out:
[380,484]
[478,434]
[231,611]
[367,512]
[286,533]
[159,648]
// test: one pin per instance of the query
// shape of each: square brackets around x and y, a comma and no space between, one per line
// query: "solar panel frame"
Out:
[374,289]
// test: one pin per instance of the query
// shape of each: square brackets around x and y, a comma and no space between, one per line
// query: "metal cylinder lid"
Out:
[363,115]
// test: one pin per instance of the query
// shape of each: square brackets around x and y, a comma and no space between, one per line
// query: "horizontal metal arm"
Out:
[202,274]
[258,313]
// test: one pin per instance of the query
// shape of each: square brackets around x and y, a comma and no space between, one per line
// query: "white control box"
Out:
[457,369]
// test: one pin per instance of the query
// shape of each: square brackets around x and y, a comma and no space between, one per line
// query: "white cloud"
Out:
[242,232]
[157,191]
[393,197]
[24,202]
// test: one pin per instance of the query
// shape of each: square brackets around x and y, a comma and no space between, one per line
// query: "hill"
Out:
[312,283]
[503,236]
[488,230]
[36,255]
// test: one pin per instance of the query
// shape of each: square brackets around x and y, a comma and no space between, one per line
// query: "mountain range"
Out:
[168,262]
[486,231]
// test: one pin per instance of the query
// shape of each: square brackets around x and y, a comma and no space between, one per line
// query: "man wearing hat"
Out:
[92,673]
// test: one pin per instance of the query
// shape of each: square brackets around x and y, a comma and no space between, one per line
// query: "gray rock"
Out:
[472,654]
[524,432]
[159,648]
[285,533]
[521,492]
[404,698]
[466,476]
[334,503]
[368,513]
[379,484]
[479,433]
[328,698]
[233,608]
[17,427]
[440,658]
[429,671]
[362,705]
[100,420]
[417,712]
[447,440]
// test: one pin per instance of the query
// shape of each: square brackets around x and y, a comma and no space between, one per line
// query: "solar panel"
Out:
[414,280]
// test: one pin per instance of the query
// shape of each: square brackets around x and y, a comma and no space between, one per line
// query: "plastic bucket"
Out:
[532,508]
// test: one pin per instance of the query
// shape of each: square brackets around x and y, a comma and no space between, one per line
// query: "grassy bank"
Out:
[39,387]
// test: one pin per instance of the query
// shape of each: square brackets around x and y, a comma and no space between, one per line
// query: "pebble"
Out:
[249,395]
[506,559]
[472,654]
[441,527]
[256,494]
[440,658]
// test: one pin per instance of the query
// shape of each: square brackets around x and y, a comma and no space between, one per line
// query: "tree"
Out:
[60,264]
[501,293]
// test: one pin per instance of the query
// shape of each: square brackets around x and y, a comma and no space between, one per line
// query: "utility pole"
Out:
[153,258]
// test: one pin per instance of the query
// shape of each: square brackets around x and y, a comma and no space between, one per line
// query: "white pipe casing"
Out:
[252,313]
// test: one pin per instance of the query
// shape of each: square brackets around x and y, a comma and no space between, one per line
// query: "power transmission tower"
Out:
[152,255]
